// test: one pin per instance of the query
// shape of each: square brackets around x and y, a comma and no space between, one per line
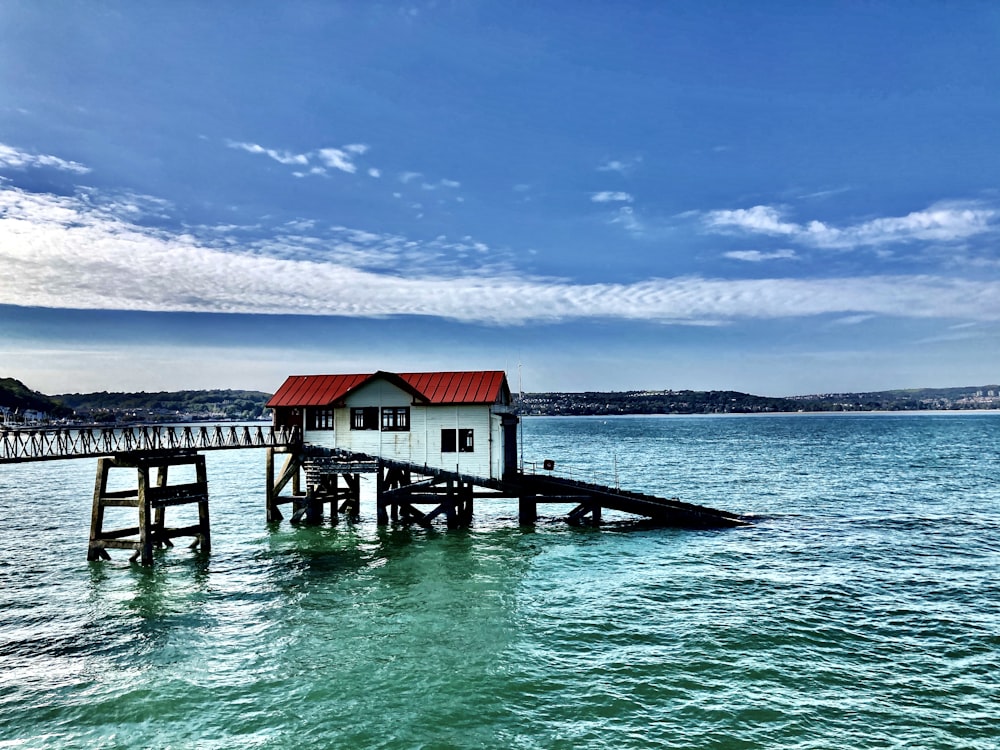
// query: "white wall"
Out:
[421,444]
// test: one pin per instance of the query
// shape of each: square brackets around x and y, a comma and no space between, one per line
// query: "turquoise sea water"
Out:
[860,610]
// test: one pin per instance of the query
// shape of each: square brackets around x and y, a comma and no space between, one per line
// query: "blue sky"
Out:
[779,198]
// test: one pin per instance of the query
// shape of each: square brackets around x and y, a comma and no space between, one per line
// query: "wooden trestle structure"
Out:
[410,493]
[405,493]
[151,500]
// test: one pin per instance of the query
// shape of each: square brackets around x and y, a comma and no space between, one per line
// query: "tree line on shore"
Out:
[603,403]
[20,404]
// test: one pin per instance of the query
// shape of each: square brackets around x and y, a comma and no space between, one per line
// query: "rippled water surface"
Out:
[861,609]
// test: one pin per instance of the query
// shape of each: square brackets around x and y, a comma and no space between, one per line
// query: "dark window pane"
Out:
[448,442]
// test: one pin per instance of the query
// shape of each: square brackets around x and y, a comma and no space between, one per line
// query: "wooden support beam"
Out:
[150,498]
[273,513]
[160,513]
[145,551]
[205,537]
[592,508]
[527,510]
[96,552]
[381,503]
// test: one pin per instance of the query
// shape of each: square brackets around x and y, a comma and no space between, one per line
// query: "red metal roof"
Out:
[478,387]
[315,390]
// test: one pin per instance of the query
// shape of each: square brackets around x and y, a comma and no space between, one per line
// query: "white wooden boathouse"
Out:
[456,421]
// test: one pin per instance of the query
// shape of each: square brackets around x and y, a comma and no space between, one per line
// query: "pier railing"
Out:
[50,444]
[594,475]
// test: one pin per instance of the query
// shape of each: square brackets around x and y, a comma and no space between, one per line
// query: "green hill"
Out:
[167,405]
[16,397]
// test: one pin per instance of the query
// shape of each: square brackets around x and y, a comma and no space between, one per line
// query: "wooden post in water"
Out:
[352,496]
[527,510]
[95,551]
[289,473]
[273,512]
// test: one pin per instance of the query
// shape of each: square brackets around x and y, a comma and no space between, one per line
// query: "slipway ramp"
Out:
[592,498]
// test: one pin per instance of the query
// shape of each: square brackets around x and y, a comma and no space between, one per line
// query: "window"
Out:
[321,419]
[364,418]
[460,441]
[465,441]
[448,443]
[396,418]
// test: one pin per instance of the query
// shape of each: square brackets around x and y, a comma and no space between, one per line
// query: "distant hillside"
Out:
[16,398]
[652,402]
[734,402]
[167,405]
[913,399]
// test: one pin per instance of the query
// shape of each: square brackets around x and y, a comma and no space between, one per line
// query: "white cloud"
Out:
[852,320]
[406,177]
[450,184]
[611,196]
[373,172]
[336,158]
[760,219]
[60,251]
[627,218]
[312,171]
[756,256]
[13,158]
[621,166]
[341,159]
[941,222]
[282,157]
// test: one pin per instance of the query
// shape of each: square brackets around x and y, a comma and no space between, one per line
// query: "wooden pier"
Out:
[315,481]
[414,494]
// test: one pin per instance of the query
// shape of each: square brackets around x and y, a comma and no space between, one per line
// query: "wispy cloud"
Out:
[852,320]
[632,224]
[611,196]
[337,158]
[756,256]
[621,166]
[340,159]
[448,184]
[13,158]
[941,222]
[63,251]
[282,157]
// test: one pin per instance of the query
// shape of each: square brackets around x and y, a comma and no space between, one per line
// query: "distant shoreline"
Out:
[859,412]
